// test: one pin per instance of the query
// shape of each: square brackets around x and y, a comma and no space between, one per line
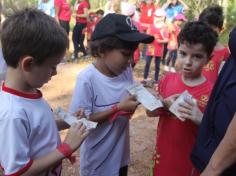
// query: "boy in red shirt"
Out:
[213,16]
[160,31]
[82,8]
[175,138]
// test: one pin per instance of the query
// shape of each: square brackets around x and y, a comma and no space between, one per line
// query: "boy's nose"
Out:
[188,60]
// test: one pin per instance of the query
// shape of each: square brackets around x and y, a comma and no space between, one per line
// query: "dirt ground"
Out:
[142,129]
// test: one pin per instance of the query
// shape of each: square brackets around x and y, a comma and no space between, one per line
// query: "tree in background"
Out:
[195,7]
[9,6]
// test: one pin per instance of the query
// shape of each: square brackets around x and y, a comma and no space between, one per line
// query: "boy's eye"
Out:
[181,53]
[197,56]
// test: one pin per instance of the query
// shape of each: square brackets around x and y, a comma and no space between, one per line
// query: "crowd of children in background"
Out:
[148,15]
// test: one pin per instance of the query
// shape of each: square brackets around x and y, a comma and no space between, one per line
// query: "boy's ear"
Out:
[27,63]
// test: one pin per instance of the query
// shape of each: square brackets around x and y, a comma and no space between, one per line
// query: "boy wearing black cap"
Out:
[101,91]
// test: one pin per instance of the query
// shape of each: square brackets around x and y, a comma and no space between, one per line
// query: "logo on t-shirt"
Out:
[210,66]
[203,101]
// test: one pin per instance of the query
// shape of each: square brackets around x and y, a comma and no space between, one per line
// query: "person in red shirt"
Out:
[160,31]
[213,16]
[63,14]
[82,8]
[174,29]
[94,18]
[175,138]
[147,9]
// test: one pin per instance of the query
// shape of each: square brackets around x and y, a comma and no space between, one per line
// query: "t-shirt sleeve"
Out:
[58,3]
[161,86]
[129,74]
[14,145]
[82,96]
[227,53]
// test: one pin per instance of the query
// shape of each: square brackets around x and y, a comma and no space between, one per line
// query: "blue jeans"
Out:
[157,66]
[172,55]
[78,39]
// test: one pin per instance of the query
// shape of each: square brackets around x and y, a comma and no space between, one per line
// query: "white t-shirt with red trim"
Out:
[27,131]
[107,148]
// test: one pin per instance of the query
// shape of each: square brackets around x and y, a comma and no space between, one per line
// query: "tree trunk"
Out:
[225,5]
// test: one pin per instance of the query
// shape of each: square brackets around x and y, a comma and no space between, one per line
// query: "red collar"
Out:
[36,95]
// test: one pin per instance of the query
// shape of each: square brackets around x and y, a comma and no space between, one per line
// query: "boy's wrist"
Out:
[115,109]
[65,149]
[118,107]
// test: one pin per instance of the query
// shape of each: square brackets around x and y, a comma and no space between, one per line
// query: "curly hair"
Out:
[198,33]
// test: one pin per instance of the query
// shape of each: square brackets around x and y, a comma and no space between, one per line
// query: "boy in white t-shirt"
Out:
[33,44]
[101,91]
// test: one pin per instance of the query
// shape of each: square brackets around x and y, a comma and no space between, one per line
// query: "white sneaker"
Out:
[166,68]
[172,69]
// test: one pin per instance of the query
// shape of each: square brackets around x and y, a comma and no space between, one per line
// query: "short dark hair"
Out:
[110,43]
[30,32]
[100,12]
[213,16]
[198,33]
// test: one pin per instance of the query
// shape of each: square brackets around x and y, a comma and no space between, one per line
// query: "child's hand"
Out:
[76,134]
[152,91]
[170,100]
[79,114]
[189,110]
[129,104]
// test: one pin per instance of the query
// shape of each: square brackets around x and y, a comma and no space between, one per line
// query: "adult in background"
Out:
[47,6]
[63,14]
[82,7]
[173,8]
[214,153]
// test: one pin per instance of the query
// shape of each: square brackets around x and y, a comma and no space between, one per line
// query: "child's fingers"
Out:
[185,116]
[175,96]
[73,125]
[133,97]
[188,101]
[79,114]
[85,134]
[186,105]
[184,111]
[81,127]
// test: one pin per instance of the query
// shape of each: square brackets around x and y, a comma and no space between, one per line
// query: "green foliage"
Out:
[9,6]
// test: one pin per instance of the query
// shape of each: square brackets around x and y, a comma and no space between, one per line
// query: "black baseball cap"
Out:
[120,26]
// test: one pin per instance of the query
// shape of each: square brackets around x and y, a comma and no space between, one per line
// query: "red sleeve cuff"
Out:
[22,170]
